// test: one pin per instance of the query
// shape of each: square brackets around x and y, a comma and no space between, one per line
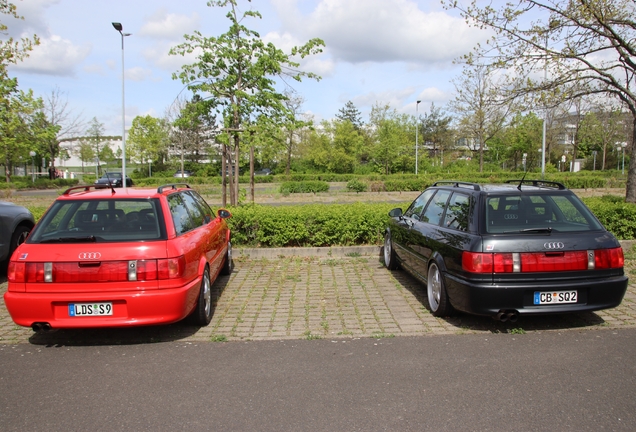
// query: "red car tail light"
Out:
[16,272]
[171,268]
[609,258]
[475,262]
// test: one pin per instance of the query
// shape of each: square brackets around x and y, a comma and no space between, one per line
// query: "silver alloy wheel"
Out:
[387,249]
[434,287]
[22,237]
[229,252]
[207,293]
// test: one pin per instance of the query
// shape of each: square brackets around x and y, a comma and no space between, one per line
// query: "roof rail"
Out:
[172,186]
[539,183]
[455,183]
[86,188]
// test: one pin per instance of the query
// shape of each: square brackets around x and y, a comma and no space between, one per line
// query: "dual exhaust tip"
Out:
[507,315]
[41,327]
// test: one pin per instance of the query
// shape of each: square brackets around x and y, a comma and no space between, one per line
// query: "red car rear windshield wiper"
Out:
[87,239]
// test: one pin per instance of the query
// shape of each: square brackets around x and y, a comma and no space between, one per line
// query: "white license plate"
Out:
[555,297]
[90,309]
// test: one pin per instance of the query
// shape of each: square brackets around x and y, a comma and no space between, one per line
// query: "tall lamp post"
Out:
[32,154]
[120,29]
[417,127]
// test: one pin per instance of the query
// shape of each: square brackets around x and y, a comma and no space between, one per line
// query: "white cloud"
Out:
[381,30]
[158,55]
[138,74]
[164,25]
[54,56]
[96,69]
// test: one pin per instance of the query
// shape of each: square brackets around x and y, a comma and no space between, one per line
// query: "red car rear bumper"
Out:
[161,306]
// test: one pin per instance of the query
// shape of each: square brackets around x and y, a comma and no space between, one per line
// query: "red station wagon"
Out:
[105,257]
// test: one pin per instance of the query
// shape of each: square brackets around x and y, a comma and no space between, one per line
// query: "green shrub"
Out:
[309,225]
[291,187]
[356,186]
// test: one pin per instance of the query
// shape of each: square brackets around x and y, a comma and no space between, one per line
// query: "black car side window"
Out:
[435,209]
[457,212]
[415,210]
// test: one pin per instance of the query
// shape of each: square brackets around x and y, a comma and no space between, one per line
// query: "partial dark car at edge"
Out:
[523,247]
[15,224]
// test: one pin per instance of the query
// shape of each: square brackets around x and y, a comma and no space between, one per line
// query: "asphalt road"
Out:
[530,382]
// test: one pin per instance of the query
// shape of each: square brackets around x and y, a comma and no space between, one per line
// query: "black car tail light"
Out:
[507,262]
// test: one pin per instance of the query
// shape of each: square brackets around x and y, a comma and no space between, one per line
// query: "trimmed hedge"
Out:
[309,225]
[315,225]
[287,188]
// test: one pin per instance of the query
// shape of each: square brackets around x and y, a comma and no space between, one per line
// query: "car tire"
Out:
[436,292]
[390,259]
[228,265]
[19,236]
[202,314]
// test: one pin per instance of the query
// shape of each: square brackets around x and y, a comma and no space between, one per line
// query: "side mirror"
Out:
[396,212]
[224,214]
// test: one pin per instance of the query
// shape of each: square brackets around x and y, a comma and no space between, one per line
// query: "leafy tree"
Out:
[392,143]
[350,112]
[84,151]
[99,142]
[587,46]
[237,72]
[19,124]
[524,136]
[436,130]
[601,129]
[148,139]
[16,107]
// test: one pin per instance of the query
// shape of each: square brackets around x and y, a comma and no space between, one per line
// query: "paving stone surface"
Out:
[311,297]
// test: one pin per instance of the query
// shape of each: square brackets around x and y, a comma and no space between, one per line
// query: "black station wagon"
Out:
[523,247]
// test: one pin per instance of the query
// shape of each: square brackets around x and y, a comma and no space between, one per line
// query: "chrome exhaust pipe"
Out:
[36,327]
[502,316]
[513,316]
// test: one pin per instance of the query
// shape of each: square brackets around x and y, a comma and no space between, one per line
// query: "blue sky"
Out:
[377,51]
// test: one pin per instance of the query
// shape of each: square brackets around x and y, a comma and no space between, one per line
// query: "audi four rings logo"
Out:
[553,245]
[511,216]
[89,255]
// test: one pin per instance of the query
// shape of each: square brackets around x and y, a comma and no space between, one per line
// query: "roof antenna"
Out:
[522,179]
[110,183]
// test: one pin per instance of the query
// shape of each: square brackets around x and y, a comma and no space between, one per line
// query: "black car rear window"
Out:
[100,221]
[527,211]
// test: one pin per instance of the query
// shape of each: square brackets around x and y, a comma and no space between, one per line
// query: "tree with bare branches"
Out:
[587,48]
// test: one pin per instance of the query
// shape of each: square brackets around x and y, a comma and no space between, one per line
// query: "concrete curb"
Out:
[335,251]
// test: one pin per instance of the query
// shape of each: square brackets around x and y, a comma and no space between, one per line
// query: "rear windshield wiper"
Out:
[87,239]
[547,230]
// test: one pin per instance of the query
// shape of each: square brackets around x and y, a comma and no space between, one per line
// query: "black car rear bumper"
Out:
[490,299]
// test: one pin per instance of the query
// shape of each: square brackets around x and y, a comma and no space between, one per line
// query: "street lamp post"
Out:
[32,154]
[417,126]
[120,29]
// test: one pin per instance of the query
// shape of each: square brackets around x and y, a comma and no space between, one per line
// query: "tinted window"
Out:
[528,211]
[196,212]
[457,212]
[207,211]
[106,220]
[415,210]
[180,216]
[435,209]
